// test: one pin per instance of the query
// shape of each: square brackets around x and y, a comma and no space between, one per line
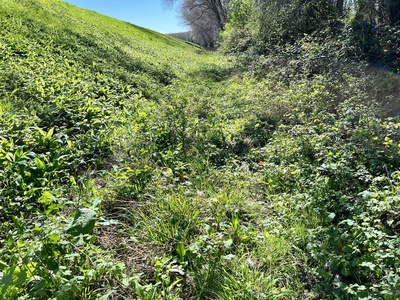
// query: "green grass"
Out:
[137,166]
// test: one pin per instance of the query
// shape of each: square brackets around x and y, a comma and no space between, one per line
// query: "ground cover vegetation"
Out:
[138,166]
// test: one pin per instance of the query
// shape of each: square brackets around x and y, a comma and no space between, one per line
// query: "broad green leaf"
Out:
[12,278]
[96,203]
[20,244]
[40,164]
[72,180]
[106,296]
[3,265]
[228,243]
[180,249]
[139,290]
[54,237]
[53,207]
[83,222]
[229,256]
[50,133]
[22,163]
[47,198]
[37,229]
[41,131]
[369,265]
[125,282]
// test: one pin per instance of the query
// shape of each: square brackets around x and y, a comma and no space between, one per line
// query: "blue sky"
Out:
[145,13]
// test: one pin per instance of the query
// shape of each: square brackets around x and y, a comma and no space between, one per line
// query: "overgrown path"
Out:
[136,166]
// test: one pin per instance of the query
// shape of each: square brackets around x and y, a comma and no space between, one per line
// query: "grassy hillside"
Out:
[137,166]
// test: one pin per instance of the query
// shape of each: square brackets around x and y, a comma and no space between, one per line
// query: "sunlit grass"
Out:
[134,165]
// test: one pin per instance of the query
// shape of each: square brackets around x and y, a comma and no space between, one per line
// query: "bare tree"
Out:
[205,17]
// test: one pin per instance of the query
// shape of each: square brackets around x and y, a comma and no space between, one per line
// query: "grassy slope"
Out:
[138,166]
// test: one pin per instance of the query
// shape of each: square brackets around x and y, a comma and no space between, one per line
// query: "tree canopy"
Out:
[261,24]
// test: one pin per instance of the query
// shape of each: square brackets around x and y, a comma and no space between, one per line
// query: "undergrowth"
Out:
[127,174]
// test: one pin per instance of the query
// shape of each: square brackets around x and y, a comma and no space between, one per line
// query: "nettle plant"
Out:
[343,167]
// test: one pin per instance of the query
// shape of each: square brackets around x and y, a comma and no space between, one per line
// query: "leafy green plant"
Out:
[190,175]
